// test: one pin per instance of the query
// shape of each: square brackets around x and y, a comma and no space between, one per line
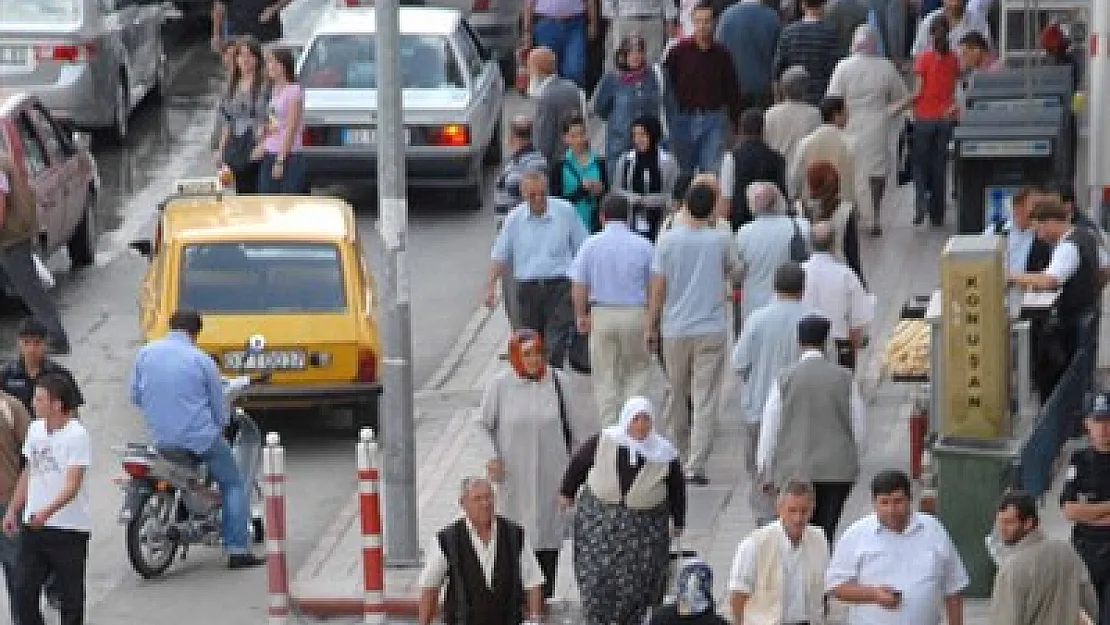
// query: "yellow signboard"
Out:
[976,335]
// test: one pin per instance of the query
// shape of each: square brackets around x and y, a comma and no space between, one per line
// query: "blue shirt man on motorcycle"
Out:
[180,391]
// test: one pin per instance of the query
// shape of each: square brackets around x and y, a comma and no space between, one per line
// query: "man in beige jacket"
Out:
[1040,580]
[829,142]
[779,570]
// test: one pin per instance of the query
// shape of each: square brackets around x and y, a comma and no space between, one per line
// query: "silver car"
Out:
[452,97]
[89,61]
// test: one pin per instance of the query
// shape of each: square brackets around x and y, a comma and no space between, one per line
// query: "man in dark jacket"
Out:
[18,376]
[19,227]
[751,160]
[557,100]
[487,563]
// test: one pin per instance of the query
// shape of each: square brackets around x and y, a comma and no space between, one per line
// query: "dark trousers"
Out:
[549,565]
[829,498]
[23,278]
[544,305]
[930,167]
[63,553]
[246,179]
[1102,589]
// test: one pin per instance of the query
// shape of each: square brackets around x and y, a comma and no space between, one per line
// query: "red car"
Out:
[59,169]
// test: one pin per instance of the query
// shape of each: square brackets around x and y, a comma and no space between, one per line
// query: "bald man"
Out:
[834,289]
[557,100]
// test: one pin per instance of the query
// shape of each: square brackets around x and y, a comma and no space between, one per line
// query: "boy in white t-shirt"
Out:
[51,494]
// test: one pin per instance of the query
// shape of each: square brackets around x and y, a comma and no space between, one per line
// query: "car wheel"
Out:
[495,149]
[82,243]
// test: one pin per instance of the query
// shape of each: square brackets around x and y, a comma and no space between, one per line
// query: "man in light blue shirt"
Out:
[536,245]
[686,306]
[180,391]
[609,282]
[1024,253]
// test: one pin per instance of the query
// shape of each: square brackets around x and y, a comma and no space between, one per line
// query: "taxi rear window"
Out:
[275,278]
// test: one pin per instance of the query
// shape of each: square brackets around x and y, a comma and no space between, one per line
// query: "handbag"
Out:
[799,247]
[578,353]
[237,150]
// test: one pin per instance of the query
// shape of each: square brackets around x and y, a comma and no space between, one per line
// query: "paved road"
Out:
[448,255]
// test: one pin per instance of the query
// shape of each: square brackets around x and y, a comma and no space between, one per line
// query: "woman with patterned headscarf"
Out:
[826,204]
[530,433]
[631,497]
[873,92]
[694,603]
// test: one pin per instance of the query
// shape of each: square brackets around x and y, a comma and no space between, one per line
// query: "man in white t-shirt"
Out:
[51,494]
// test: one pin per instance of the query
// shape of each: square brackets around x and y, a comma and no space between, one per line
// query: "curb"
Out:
[335,606]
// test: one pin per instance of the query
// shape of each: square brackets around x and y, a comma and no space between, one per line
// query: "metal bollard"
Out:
[370,524]
[277,576]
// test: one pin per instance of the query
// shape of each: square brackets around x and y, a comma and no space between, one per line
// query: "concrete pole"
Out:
[1098,105]
[396,419]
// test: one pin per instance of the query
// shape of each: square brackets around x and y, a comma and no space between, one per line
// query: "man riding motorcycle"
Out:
[180,391]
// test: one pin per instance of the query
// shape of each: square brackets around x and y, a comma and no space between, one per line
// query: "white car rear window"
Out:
[350,62]
[39,11]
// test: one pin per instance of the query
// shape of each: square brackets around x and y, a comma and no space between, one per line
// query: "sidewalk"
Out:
[900,264]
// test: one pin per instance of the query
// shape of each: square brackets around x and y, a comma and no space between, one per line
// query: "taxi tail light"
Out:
[347,3]
[68,53]
[137,469]
[313,136]
[367,366]
[481,5]
[450,135]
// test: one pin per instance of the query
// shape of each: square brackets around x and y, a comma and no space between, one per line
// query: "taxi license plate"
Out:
[276,359]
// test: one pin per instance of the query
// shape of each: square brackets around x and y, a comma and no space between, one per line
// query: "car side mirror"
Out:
[82,140]
[144,247]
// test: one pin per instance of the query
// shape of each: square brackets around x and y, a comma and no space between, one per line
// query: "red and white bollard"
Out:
[273,485]
[370,524]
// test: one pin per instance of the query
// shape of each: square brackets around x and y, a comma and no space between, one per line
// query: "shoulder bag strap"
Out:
[562,409]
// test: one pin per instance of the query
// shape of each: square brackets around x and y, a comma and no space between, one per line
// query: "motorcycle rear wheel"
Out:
[149,549]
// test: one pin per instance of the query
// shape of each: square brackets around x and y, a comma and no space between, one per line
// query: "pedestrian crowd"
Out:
[715,231]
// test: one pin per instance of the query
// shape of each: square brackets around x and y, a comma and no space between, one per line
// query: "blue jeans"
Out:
[9,548]
[930,167]
[237,508]
[567,38]
[292,181]
[698,139]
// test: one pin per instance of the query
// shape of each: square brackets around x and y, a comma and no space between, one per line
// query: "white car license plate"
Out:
[15,57]
[275,359]
[366,136]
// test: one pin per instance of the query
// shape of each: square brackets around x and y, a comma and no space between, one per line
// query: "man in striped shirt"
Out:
[811,43]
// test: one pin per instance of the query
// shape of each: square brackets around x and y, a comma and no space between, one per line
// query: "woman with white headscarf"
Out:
[873,92]
[631,498]
[763,244]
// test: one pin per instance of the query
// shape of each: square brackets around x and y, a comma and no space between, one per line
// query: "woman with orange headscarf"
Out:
[825,204]
[528,425]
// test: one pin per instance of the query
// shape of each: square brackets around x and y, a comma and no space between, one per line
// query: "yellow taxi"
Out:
[283,272]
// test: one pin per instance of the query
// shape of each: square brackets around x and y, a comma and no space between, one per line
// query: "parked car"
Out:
[90,61]
[496,22]
[452,97]
[289,269]
[59,169]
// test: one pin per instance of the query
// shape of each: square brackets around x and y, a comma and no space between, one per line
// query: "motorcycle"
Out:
[170,501]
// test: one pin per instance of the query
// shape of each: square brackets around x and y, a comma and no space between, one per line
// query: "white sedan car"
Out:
[452,95]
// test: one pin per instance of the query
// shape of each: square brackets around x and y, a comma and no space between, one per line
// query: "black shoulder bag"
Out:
[799,248]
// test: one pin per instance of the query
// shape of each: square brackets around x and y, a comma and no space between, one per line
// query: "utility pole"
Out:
[398,477]
[1098,108]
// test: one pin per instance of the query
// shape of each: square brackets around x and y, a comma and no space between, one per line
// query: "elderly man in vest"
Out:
[813,426]
[488,564]
[778,574]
